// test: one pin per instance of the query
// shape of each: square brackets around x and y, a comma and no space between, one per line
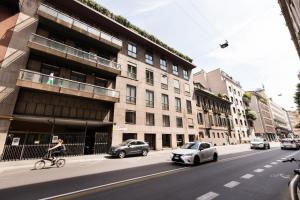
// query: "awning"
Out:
[60,121]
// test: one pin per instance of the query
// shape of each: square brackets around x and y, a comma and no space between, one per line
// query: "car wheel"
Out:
[215,158]
[196,160]
[268,146]
[282,148]
[122,154]
[144,152]
[251,148]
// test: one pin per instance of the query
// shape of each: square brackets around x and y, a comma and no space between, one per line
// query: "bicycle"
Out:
[60,162]
[293,184]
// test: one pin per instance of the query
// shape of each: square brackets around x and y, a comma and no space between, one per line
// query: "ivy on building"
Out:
[126,23]
[250,115]
[297,97]
[247,98]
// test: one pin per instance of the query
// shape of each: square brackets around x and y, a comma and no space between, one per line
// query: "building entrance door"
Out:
[166,140]
[89,142]
[151,139]
[102,142]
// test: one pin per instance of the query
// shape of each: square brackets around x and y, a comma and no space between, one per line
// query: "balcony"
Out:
[67,21]
[38,81]
[61,50]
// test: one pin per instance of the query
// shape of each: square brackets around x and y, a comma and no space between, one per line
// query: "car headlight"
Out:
[188,155]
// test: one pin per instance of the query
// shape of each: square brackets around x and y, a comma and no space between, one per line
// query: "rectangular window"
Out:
[163,64]
[165,102]
[77,76]
[185,74]
[198,101]
[150,119]
[176,86]
[164,81]
[177,104]
[200,118]
[149,98]
[210,119]
[166,120]
[130,117]
[189,106]
[131,71]
[179,122]
[131,50]
[131,94]
[175,70]
[187,91]
[149,77]
[190,122]
[191,138]
[149,58]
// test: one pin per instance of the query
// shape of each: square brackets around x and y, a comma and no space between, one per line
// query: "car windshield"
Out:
[257,140]
[190,146]
[125,143]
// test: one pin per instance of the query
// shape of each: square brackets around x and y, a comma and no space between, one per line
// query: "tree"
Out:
[297,97]
[247,98]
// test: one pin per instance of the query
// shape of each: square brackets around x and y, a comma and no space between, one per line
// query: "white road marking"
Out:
[258,170]
[268,166]
[232,184]
[274,163]
[279,160]
[283,158]
[247,176]
[208,196]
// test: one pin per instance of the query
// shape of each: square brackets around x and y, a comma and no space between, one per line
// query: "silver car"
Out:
[289,143]
[259,143]
[193,153]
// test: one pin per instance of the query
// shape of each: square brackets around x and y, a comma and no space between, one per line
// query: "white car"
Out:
[193,153]
[289,143]
[259,143]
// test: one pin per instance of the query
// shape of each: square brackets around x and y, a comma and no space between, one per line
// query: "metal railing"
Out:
[58,15]
[165,106]
[150,103]
[22,152]
[40,40]
[37,77]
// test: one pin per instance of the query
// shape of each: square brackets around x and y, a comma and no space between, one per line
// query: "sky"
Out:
[260,53]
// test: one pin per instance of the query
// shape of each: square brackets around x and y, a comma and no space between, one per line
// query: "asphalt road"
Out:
[249,175]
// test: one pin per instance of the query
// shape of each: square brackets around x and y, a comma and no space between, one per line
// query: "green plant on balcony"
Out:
[297,97]
[297,125]
[247,98]
[118,18]
[263,100]
[250,115]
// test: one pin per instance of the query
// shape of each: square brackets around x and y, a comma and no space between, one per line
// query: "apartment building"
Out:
[264,124]
[294,121]
[70,72]
[281,121]
[291,12]
[213,117]
[224,85]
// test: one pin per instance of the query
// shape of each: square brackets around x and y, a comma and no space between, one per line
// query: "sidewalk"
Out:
[162,155]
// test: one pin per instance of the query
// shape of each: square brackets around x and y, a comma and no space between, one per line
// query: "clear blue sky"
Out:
[260,49]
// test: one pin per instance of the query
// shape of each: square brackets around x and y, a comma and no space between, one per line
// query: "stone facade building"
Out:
[281,121]
[221,83]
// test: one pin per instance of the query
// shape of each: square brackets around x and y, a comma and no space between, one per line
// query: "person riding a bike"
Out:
[58,150]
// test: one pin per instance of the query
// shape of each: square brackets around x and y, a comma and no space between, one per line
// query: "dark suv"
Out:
[130,147]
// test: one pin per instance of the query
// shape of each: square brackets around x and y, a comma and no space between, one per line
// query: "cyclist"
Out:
[58,150]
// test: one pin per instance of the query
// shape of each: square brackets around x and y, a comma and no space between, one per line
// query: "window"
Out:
[210,119]
[163,64]
[190,122]
[245,123]
[197,100]
[236,121]
[239,93]
[149,98]
[131,50]
[241,122]
[179,122]
[201,135]
[207,134]
[233,108]
[164,81]
[127,136]
[214,135]
[130,117]
[185,74]
[229,89]
[165,102]
[166,120]
[131,71]
[150,119]
[231,99]
[241,103]
[101,82]
[149,77]
[189,106]
[234,91]
[187,89]
[222,135]
[177,104]
[175,70]
[176,86]
[131,94]
[218,135]
[200,118]
[149,58]
[77,76]
[191,138]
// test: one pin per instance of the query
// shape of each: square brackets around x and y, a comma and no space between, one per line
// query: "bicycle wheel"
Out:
[39,164]
[60,162]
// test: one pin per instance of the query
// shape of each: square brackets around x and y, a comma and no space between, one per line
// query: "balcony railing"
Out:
[37,77]
[40,40]
[72,22]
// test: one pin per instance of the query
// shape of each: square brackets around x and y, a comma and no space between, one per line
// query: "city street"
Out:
[257,174]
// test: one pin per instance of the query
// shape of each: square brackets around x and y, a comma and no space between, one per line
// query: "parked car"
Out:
[130,147]
[259,143]
[193,153]
[289,143]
